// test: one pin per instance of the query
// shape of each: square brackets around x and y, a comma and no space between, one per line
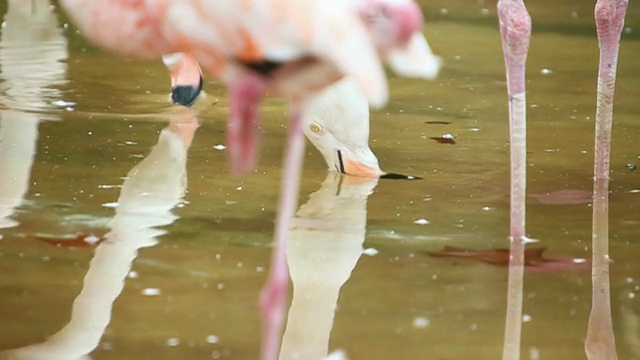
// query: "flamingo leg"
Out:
[243,130]
[515,29]
[600,341]
[274,294]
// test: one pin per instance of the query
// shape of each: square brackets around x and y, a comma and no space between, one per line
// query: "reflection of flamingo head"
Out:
[336,121]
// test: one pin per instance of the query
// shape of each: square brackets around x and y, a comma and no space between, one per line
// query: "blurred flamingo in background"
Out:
[294,48]
[515,27]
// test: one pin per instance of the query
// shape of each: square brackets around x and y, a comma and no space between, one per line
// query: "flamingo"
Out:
[335,120]
[515,29]
[291,47]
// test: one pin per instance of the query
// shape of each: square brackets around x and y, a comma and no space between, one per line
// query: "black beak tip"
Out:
[395,176]
[185,95]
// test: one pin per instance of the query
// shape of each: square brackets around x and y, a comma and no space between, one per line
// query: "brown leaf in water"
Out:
[82,240]
[564,197]
[444,139]
[533,258]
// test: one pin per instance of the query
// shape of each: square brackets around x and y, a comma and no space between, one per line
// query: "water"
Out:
[81,121]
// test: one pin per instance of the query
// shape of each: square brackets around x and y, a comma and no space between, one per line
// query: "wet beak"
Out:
[186,78]
[350,166]
[186,95]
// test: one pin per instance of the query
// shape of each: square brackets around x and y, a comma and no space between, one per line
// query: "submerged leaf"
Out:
[81,240]
[533,258]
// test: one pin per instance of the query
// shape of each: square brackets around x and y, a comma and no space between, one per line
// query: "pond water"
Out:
[82,130]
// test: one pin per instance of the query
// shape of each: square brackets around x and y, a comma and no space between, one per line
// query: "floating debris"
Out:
[445,139]
[632,167]
[437,122]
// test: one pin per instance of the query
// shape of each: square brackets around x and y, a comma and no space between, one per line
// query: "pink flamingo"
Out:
[291,47]
[515,27]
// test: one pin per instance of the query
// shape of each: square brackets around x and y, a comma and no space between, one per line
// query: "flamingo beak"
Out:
[186,78]
[185,95]
[365,165]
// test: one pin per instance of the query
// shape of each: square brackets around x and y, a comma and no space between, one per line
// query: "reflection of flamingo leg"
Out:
[274,293]
[600,342]
[515,28]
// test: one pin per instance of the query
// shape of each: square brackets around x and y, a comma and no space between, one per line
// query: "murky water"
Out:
[81,130]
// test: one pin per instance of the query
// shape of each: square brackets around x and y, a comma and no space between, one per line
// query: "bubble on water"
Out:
[534,353]
[219,147]
[62,103]
[91,239]
[370,252]
[111,205]
[150,292]
[173,342]
[421,222]
[212,339]
[132,274]
[526,317]
[420,322]
[444,11]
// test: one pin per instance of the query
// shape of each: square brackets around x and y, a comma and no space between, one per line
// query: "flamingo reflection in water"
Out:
[325,243]
[152,188]
[28,88]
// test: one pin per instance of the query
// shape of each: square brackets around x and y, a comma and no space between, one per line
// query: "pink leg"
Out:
[515,28]
[243,131]
[274,294]
[600,342]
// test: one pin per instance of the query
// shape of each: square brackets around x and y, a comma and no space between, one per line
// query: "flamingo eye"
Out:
[316,128]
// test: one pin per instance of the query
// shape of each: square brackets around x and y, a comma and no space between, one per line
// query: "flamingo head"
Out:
[186,78]
[336,121]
